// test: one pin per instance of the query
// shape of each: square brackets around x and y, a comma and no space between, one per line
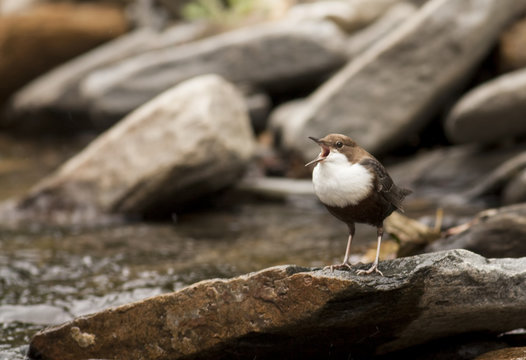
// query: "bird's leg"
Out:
[374,267]
[346,263]
[347,251]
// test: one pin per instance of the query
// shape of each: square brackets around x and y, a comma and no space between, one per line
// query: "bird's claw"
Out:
[341,266]
[370,270]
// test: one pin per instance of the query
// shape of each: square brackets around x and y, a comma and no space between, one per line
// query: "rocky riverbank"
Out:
[421,64]
[195,107]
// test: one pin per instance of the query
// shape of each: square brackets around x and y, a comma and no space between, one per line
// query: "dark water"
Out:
[50,276]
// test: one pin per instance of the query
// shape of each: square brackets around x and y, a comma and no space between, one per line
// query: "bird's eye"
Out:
[339,144]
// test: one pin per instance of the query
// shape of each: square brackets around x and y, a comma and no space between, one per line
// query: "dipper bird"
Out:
[355,188]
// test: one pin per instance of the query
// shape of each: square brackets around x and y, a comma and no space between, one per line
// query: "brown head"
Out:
[337,143]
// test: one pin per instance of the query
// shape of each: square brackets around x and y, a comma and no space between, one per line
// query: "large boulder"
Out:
[274,56]
[49,102]
[492,112]
[394,88]
[49,34]
[190,141]
[357,43]
[293,312]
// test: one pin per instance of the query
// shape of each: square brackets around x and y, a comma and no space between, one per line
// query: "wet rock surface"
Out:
[402,81]
[163,154]
[304,312]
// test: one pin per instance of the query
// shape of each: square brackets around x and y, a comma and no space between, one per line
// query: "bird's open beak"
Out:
[325,151]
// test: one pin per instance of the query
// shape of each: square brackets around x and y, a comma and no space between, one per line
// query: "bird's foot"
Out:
[370,270]
[342,266]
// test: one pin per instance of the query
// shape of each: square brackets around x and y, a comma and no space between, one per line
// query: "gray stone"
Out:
[57,91]
[394,88]
[390,20]
[492,233]
[357,43]
[293,312]
[492,112]
[278,55]
[459,174]
[504,176]
[188,142]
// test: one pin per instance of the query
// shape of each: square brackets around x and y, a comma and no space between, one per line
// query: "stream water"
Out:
[49,276]
[52,276]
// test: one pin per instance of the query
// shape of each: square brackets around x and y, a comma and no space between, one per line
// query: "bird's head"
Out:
[337,143]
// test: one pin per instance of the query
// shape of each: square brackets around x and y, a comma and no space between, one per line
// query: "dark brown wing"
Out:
[385,185]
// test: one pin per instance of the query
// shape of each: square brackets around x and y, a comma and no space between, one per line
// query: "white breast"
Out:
[340,183]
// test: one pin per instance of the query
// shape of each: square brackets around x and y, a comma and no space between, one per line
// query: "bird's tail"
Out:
[399,194]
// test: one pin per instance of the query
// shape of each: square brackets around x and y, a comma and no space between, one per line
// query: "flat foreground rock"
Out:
[293,312]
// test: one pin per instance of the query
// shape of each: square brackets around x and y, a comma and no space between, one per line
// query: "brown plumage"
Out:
[355,188]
